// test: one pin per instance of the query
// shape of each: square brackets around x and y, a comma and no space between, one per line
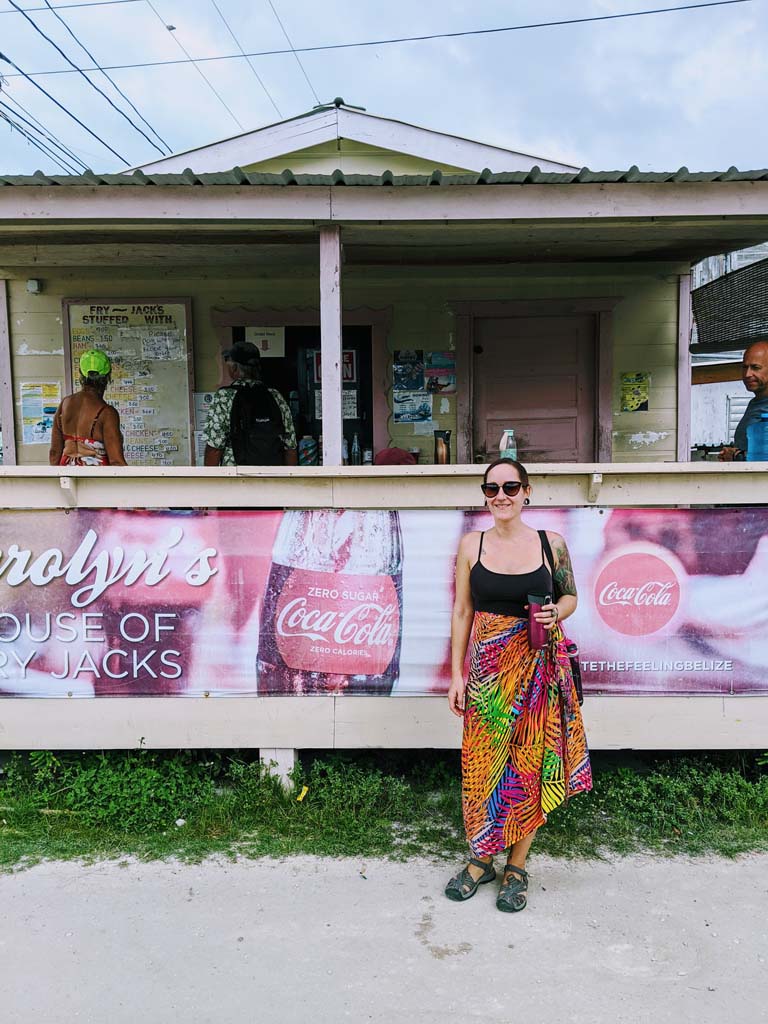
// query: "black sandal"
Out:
[463,886]
[512,896]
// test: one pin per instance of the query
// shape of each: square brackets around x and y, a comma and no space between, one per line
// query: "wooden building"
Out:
[548,286]
[547,282]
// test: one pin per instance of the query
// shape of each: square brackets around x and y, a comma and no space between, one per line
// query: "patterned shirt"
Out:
[217,424]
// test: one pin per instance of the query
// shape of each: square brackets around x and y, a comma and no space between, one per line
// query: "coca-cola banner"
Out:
[121,603]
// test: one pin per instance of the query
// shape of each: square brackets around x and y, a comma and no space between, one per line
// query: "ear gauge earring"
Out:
[527,501]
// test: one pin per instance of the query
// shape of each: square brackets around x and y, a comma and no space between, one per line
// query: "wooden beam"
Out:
[330,343]
[6,381]
[261,204]
[684,320]
[715,373]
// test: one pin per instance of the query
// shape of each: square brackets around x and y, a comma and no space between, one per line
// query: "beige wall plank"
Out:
[120,723]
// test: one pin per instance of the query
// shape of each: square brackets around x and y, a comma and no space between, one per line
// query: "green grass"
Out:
[105,805]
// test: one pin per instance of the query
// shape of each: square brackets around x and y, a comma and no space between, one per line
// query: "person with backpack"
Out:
[248,423]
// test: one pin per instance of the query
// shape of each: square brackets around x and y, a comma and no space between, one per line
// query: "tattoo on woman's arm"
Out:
[564,571]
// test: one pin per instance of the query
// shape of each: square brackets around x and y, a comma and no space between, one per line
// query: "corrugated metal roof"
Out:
[237,176]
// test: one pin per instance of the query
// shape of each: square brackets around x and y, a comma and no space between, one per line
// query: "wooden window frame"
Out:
[379,320]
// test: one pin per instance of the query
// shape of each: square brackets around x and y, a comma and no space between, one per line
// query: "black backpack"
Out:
[256,426]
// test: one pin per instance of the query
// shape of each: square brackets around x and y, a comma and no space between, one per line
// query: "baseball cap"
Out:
[244,353]
[95,362]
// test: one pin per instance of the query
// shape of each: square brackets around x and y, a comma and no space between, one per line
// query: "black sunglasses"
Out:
[510,488]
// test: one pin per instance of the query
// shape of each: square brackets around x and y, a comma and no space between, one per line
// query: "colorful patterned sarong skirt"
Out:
[524,749]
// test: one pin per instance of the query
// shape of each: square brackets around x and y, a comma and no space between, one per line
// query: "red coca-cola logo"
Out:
[638,592]
[328,622]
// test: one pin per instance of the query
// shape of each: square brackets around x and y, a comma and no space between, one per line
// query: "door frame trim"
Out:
[465,314]
[379,320]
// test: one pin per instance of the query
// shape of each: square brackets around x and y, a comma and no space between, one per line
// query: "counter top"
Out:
[612,484]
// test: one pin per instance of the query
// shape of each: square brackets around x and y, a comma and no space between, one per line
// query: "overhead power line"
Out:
[250,63]
[65,155]
[293,50]
[191,60]
[44,130]
[15,126]
[90,82]
[85,3]
[408,39]
[109,78]
[60,106]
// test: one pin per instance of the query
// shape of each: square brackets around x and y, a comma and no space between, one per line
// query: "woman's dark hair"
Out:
[522,471]
[95,380]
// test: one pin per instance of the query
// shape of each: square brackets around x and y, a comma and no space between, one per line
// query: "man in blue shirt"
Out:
[754,373]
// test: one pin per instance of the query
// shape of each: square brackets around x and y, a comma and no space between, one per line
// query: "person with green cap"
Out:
[86,429]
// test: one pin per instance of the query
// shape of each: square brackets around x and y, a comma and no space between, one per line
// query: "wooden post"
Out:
[6,382]
[330,343]
[684,369]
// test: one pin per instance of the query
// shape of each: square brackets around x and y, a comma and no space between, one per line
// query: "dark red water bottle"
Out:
[537,634]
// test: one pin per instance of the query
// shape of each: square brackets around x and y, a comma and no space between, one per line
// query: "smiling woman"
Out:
[524,750]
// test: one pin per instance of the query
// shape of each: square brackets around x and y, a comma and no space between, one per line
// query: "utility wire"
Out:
[66,157]
[86,3]
[295,54]
[60,106]
[111,80]
[12,118]
[248,59]
[45,131]
[35,142]
[191,60]
[405,39]
[90,81]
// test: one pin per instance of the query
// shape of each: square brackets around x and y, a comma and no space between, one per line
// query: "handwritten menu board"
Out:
[150,347]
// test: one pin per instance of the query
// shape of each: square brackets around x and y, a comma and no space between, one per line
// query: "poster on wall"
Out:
[408,370]
[102,603]
[440,372]
[412,406]
[150,346]
[635,391]
[39,402]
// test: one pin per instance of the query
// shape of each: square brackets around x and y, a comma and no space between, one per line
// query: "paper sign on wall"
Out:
[635,391]
[202,403]
[348,404]
[149,345]
[39,402]
[270,341]
[348,366]
[412,406]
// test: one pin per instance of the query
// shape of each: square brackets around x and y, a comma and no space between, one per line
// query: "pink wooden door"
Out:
[536,375]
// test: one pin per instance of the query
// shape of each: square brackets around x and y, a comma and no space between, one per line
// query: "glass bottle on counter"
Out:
[357,455]
[508,445]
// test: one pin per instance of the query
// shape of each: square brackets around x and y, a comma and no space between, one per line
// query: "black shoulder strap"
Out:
[546,547]
[480,549]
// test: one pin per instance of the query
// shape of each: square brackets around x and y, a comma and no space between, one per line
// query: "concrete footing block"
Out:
[280,761]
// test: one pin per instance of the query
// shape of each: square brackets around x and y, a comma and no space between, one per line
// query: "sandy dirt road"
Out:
[630,940]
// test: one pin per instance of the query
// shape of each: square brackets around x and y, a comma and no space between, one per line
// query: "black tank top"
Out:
[504,593]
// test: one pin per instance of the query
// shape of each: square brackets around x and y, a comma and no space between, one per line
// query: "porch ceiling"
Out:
[391,244]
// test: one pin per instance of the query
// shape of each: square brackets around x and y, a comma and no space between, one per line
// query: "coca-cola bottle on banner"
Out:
[331,620]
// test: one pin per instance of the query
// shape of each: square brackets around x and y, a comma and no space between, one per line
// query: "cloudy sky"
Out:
[659,91]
